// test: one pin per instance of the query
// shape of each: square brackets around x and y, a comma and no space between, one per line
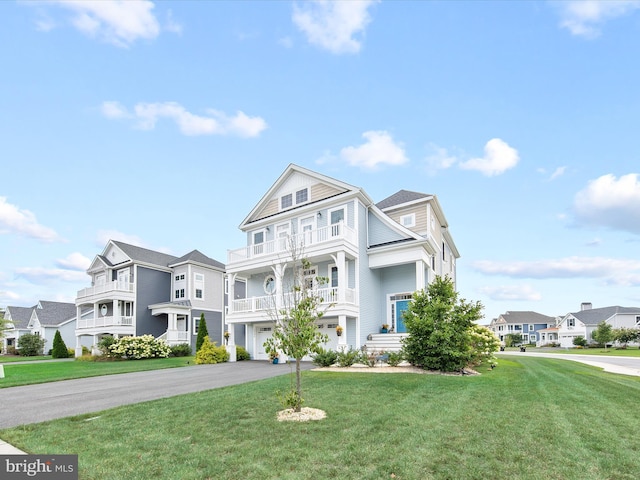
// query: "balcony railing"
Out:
[337,231]
[109,287]
[268,303]
[174,336]
[105,322]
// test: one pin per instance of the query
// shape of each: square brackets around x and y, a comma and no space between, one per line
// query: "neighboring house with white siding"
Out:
[584,322]
[137,291]
[374,255]
[18,318]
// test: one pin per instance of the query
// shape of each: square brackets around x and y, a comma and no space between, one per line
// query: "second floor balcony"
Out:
[308,240]
[104,322]
[116,289]
[267,303]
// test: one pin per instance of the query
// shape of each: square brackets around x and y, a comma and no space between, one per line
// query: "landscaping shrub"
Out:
[580,341]
[242,354]
[181,350]
[30,345]
[12,350]
[348,358]
[105,345]
[145,346]
[395,358]
[325,358]
[60,349]
[211,353]
[202,332]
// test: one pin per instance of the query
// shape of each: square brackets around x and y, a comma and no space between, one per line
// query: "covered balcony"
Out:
[109,290]
[99,322]
[309,240]
[268,302]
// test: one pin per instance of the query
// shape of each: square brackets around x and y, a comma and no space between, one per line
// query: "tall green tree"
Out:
[603,333]
[202,332]
[296,332]
[439,326]
[625,335]
[60,349]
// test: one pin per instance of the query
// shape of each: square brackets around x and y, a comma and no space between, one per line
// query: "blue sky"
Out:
[163,124]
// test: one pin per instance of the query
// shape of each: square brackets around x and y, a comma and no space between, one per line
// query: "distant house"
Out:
[585,321]
[43,319]
[136,291]
[375,256]
[18,318]
[528,324]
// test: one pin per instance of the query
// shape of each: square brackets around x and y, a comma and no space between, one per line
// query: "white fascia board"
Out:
[398,254]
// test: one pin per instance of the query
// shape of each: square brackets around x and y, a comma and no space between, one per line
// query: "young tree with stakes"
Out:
[296,333]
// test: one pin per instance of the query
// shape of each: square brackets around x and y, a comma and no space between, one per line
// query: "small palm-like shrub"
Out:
[211,353]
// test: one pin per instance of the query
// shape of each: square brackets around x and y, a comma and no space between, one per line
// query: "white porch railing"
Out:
[338,231]
[108,287]
[177,336]
[104,322]
[266,303]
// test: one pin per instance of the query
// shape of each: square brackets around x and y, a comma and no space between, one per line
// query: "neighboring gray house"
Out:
[584,322]
[375,256]
[137,291]
[19,320]
[43,319]
[528,324]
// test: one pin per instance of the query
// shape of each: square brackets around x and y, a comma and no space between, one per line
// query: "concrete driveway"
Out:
[620,365]
[48,401]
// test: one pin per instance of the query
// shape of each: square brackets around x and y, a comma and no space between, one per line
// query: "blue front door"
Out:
[401,306]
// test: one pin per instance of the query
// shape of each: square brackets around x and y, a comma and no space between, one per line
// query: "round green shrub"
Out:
[242,354]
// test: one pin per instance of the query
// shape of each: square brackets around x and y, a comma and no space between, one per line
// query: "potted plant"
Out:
[226,337]
[273,356]
[385,328]
[339,330]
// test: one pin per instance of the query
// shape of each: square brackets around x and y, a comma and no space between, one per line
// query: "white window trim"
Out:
[294,198]
[411,217]
[335,209]
[264,284]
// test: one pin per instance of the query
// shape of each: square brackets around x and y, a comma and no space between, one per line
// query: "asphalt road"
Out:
[48,401]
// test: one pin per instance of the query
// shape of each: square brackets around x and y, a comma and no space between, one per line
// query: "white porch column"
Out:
[342,277]
[420,275]
[342,340]
[231,281]
[279,270]
[231,343]
[78,352]
[116,312]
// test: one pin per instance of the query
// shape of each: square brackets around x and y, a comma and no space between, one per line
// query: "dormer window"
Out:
[287,201]
[408,220]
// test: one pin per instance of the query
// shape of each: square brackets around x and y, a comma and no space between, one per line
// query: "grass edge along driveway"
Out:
[530,418]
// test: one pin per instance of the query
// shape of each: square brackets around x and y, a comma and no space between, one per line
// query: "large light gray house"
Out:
[137,291]
[374,255]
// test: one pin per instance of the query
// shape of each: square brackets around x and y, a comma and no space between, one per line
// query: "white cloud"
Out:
[216,123]
[440,159]
[118,22]
[380,149]
[498,158]
[614,271]
[511,292]
[610,202]
[584,17]
[23,222]
[332,25]
[40,275]
[8,295]
[557,173]
[74,261]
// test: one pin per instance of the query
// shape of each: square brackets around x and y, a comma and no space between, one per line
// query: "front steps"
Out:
[385,342]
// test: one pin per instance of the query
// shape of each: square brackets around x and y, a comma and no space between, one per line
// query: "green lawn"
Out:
[17,358]
[530,418]
[616,352]
[41,372]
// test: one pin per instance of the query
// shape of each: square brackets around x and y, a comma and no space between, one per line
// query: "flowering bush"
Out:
[145,346]
[484,344]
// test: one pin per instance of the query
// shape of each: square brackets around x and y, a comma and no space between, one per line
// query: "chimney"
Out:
[585,306]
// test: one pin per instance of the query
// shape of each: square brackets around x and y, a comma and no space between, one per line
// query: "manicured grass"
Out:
[530,418]
[616,352]
[29,373]
[17,358]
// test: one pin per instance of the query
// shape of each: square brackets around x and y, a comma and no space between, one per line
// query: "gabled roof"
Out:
[196,256]
[526,317]
[594,316]
[54,313]
[20,316]
[337,187]
[144,255]
[401,197]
